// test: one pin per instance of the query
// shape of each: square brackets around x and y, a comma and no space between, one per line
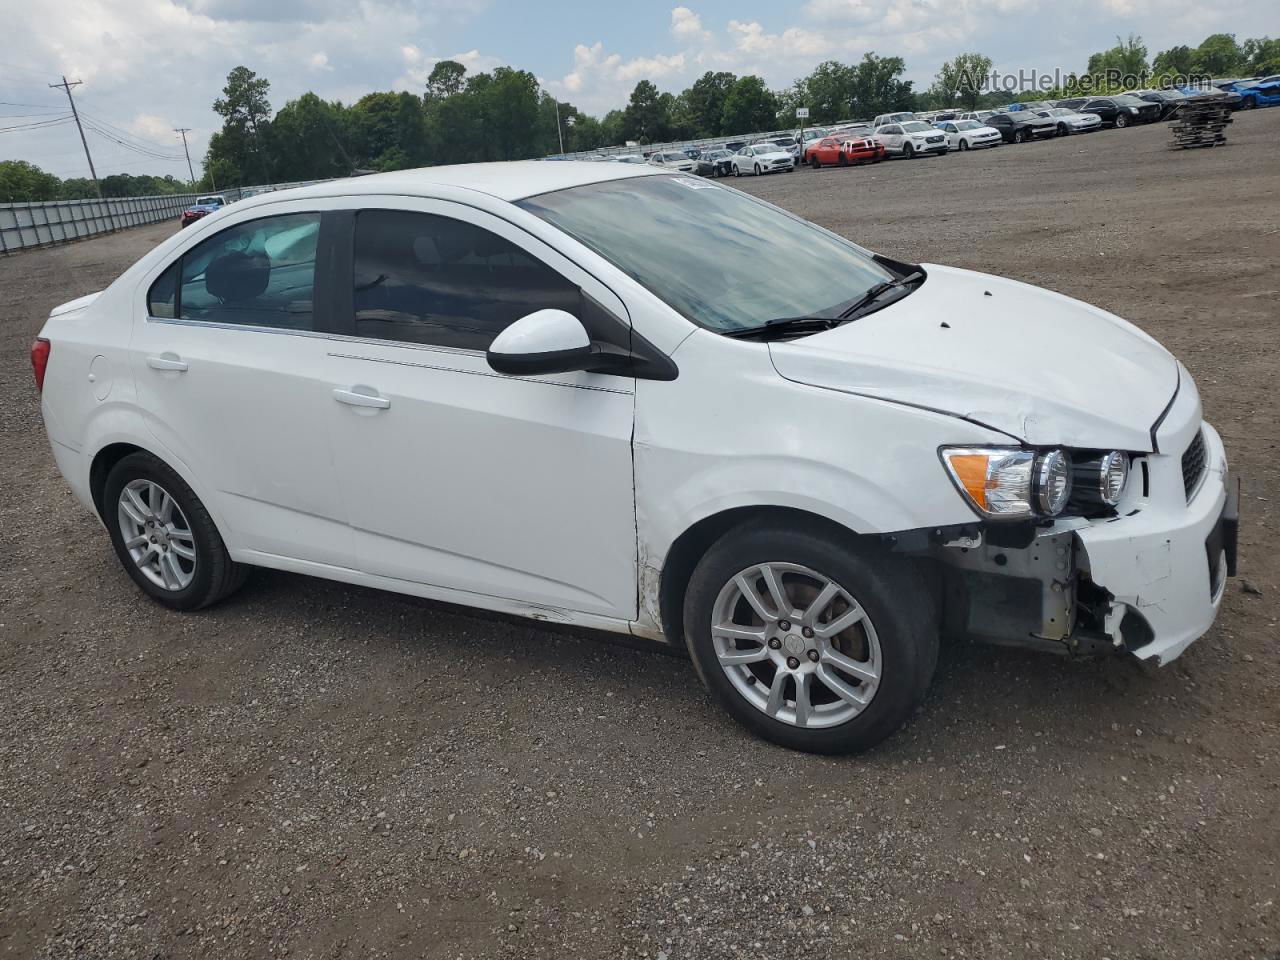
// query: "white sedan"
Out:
[673,161]
[605,395]
[1069,121]
[969,134]
[761,159]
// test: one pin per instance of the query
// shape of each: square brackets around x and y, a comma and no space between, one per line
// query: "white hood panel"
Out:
[1031,363]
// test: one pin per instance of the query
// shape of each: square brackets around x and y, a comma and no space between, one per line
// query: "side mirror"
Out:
[545,341]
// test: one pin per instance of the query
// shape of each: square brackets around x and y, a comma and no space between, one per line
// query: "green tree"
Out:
[1125,63]
[240,145]
[1262,55]
[1220,56]
[749,107]
[962,78]
[879,88]
[828,92]
[643,118]
[311,140]
[22,181]
[705,101]
[389,131]
[446,79]
[1176,61]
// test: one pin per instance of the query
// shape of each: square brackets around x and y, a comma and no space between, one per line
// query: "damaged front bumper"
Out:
[1147,581]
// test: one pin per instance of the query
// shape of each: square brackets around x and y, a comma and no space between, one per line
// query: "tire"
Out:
[908,151]
[815,162]
[964,144]
[757,169]
[1121,121]
[898,635]
[1248,103]
[1063,130]
[843,159]
[736,171]
[212,574]
[1020,136]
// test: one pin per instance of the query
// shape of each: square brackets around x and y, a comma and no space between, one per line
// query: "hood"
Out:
[1033,364]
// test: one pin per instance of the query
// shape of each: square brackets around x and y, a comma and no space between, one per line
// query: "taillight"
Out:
[40,360]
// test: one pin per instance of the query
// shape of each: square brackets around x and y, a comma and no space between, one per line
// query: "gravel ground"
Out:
[316,770]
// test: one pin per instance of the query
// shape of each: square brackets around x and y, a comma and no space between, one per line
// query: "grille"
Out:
[1193,464]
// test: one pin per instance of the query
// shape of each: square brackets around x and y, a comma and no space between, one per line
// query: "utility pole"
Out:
[559,132]
[64,85]
[184,131]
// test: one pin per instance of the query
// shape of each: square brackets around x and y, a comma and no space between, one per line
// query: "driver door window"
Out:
[427,279]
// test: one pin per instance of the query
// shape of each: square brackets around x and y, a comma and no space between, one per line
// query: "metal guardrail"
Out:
[24,226]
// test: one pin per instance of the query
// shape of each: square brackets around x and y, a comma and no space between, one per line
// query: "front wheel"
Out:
[1063,130]
[1248,103]
[736,171]
[811,639]
[964,145]
[815,163]
[1121,121]
[1020,137]
[164,536]
[909,152]
[757,169]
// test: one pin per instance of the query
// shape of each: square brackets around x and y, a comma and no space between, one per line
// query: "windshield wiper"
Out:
[781,327]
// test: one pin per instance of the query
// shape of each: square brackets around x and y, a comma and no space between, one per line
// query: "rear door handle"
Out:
[361,397]
[167,361]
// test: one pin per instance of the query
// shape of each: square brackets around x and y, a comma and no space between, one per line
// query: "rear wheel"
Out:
[843,159]
[810,639]
[164,536]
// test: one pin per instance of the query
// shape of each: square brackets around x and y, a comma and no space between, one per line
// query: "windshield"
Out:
[720,258]
[916,126]
[674,157]
[210,202]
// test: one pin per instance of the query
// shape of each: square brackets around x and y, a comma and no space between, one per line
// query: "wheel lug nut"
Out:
[807,631]
[813,655]
[774,643]
[784,625]
[792,662]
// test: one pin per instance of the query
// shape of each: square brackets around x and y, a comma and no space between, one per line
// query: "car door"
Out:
[953,134]
[893,138]
[232,371]
[454,475]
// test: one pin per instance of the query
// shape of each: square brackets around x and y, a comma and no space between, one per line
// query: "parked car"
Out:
[1021,126]
[1069,121]
[234,400]
[887,118]
[1122,110]
[1169,101]
[733,146]
[715,163]
[832,152]
[1259,93]
[969,134]
[789,144]
[979,115]
[672,161]
[201,208]
[629,158]
[1035,106]
[693,153]
[762,158]
[911,139]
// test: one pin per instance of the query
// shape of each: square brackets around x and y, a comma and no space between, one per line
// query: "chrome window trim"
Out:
[320,334]
[481,373]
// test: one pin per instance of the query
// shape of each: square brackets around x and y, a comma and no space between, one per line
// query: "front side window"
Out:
[422,278]
[723,260]
[260,273]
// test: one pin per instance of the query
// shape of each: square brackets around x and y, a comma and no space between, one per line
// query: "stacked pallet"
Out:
[1200,123]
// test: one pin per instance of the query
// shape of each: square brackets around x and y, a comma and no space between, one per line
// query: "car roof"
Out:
[514,180]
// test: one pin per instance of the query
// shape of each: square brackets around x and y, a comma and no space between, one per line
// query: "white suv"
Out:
[604,395]
[913,138]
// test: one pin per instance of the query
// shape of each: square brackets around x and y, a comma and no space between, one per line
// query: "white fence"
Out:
[40,224]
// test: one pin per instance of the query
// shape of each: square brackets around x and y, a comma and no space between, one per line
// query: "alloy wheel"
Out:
[157,534]
[796,645]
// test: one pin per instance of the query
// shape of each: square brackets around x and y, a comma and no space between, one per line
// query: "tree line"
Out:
[504,114]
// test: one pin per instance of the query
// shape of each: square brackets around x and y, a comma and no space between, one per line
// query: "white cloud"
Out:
[686,26]
[600,81]
[319,61]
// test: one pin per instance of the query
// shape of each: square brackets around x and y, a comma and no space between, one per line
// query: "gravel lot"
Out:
[323,771]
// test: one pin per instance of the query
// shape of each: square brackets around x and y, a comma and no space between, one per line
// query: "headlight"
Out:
[1132,109]
[1100,480]
[1007,483]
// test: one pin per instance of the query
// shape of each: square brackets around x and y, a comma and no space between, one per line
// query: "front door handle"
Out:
[167,361]
[361,397]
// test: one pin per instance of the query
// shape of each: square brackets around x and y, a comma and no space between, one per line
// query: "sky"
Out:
[149,66]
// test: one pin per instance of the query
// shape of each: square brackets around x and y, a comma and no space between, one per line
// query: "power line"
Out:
[160,147]
[36,125]
[142,151]
[67,87]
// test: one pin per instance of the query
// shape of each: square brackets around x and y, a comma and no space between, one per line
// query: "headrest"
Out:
[237,276]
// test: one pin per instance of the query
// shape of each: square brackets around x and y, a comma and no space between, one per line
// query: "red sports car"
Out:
[829,151]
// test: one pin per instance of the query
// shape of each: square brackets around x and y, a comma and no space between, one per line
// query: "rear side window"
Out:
[427,279]
[260,273]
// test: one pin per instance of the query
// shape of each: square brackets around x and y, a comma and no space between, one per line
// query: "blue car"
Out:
[1257,93]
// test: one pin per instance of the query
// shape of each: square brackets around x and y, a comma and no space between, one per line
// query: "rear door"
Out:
[232,366]
[454,475]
